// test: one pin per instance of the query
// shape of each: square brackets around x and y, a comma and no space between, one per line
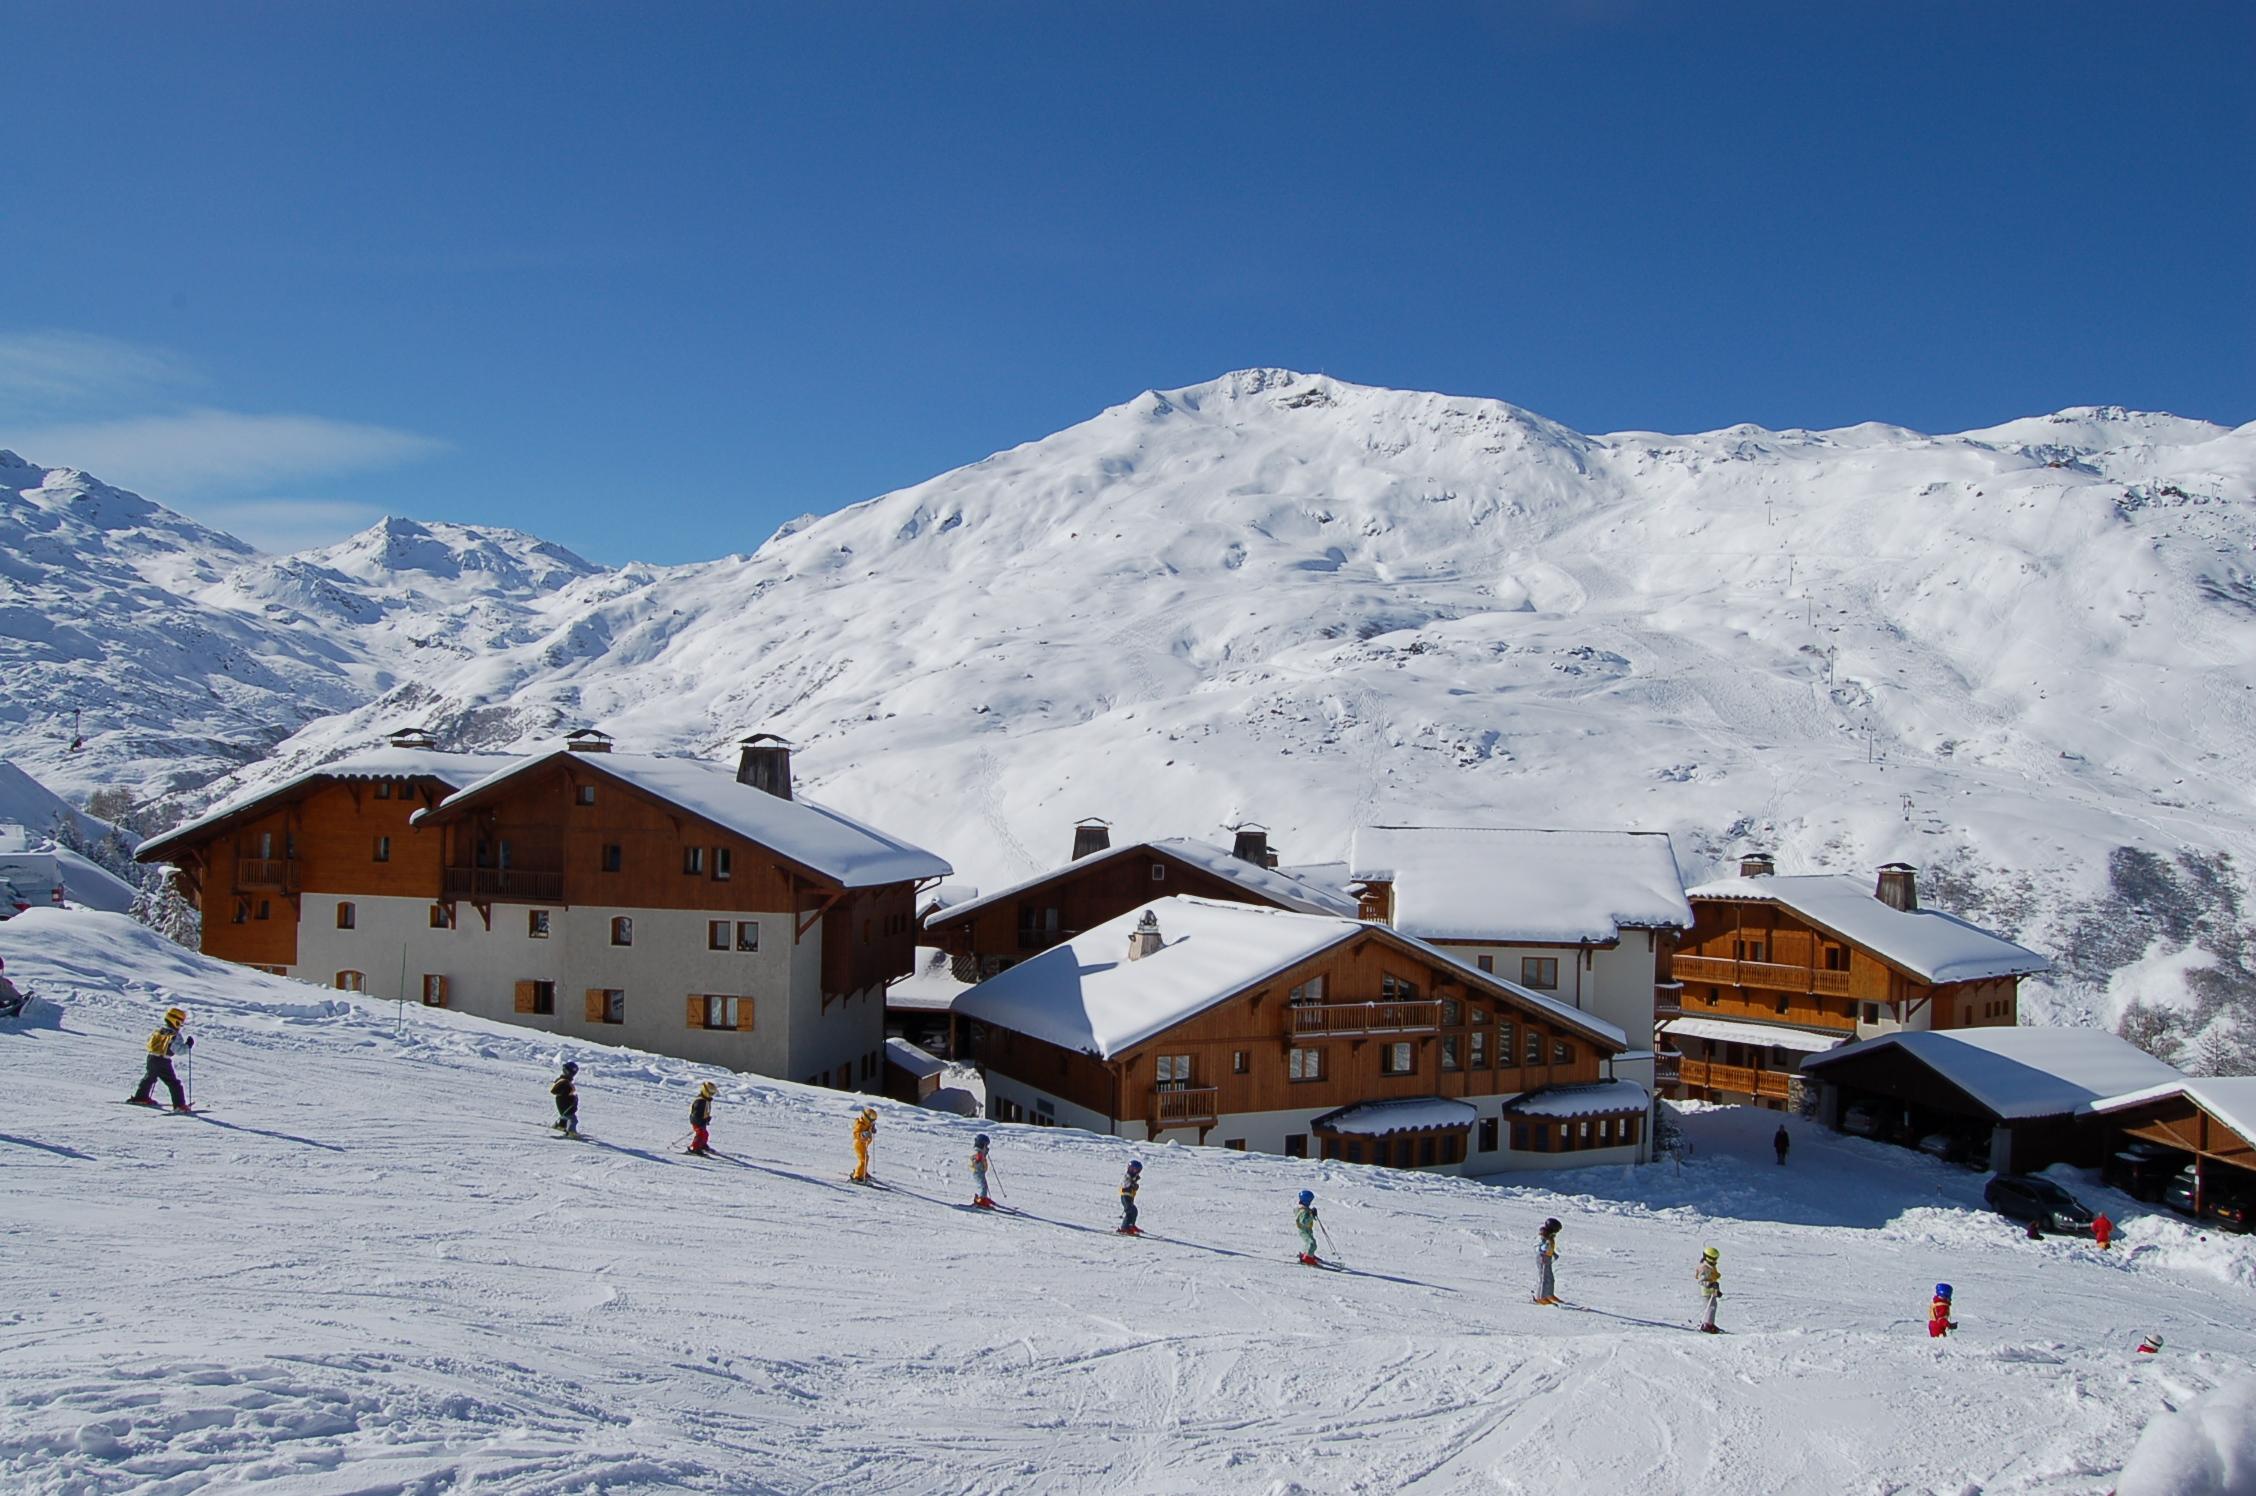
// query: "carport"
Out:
[2212,1120]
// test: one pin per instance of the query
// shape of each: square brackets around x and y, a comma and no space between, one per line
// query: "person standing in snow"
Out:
[1129,1184]
[1304,1221]
[701,1119]
[162,1043]
[1710,1277]
[1780,1143]
[865,1134]
[12,999]
[979,1173]
[1939,1321]
[1546,1253]
[2103,1230]
[567,1101]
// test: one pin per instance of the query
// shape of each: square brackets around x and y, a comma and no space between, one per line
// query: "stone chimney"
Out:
[1144,939]
[1090,835]
[1252,844]
[764,762]
[1898,887]
[588,740]
[1757,865]
[411,737]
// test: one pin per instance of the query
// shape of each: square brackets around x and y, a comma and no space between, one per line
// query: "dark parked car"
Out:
[2030,1197]
[2230,1205]
[2142,1170]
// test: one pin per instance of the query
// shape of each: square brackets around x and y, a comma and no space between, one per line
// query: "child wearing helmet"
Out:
[1709,1275]
[865,1133]
[701,1118]
[979,1173]
[162,1043]
[1129,1184]
[1304,1221]
[1939,1321]
[567,1101]
[1546,1253]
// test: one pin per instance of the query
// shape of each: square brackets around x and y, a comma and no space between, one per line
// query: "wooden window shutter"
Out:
[595,1005]
[696,1011]
[744,1015]
[524,997]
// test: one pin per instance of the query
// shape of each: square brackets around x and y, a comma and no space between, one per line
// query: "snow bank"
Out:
[2206,1448]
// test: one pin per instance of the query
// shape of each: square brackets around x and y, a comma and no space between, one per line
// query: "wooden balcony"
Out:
[267,874]
[504,885]
[1742,1078]
[1668,1001]
[1356,1020]
[1771,976]
[1184,1106]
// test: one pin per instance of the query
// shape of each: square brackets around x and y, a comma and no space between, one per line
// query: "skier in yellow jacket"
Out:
[161,1045]
[865,1134]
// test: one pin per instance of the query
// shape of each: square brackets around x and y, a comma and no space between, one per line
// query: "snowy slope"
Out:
[369,1269]
[2023,658]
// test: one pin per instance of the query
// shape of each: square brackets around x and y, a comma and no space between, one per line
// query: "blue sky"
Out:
[650,279]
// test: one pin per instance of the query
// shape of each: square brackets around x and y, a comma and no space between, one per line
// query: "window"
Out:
[1836,958]
[1540,972]
[242,911]
[1426,1150]
[1174,1071]
[1871,1012]
[583,794]
[536,924]
[1534,1047]
[1503,1040]
[610,857]
[1480,1014]
[1159,874]
[1240,1062]
[1476,1049]
[383,789]
[1487,963]
[1310,991]
[1397,989]
[747,934]
[1304,1064]
[606,1005]
[383,849]
[442,916]
[536,997]
[717,935]
[1605,1132]
[1236,1143]
[1449,1055]
[1562,1053]
[1488,1134]
[434,992]
[693,861]
[1748,950]
[724,864]
[350,981]
[1397,1059]
[346,916]
[622,930]
[1452,1013]
[1296,1145]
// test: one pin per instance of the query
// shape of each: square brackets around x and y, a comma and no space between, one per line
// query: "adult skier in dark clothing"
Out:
[162,1043]
[1780,1143]
[567,1101]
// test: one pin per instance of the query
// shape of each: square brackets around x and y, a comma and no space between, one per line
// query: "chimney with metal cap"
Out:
[1898,887]
[588,740]
[419,738]
[1252,844]
[764,762]
[1090,835]
[1757,865]
[1144,939]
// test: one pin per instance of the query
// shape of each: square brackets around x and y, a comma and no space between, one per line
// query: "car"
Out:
[2178,1193]
[1863,1119]
[2229,1204]
[2141,1170]
[2032,1197]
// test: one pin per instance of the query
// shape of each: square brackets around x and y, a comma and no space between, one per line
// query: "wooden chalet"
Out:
[1779,968]
[1311,1035]
[2209,1124]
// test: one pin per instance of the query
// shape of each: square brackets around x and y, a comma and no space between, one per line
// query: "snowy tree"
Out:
[2221,1051]
[2155,1029]
[163,908]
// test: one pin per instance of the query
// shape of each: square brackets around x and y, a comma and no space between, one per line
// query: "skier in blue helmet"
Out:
[1304,1221]
[1939,1321]
[979,1173]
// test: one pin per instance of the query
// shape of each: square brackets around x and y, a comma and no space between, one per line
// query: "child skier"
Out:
[567,1101]
[159,1067]
[1128,1187]
[2103,1230]
[865,1133]
[1304,1221]
[12,1001]
[979,1173]
[1939,1321]
[701,1118]
[1710,1276]
[1546,1253]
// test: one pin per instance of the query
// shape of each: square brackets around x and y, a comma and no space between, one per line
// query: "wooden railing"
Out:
[1175,1107]
[1318,1020]
[509,884]
[277,873]
[1773,976]
[1743,1078]
[1668,1003]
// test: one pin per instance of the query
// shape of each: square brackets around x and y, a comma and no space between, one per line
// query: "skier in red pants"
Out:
[1939,1321]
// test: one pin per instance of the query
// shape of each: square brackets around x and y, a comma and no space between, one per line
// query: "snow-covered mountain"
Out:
[2023,658]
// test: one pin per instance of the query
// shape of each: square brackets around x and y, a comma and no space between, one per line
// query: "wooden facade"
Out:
[2220,1152]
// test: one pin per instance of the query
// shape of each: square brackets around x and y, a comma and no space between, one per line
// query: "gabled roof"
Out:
[1927,943]
[818,839]
[1270,884]
[1378,1119]
[450,769]
[1086,995]
[2231,1099]
[2018,1073]
[1517,884]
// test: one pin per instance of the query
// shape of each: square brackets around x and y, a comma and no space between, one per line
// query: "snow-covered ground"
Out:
[371,1269]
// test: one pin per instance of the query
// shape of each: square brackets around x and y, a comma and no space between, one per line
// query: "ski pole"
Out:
[1328,1246]
[996,1175]
[188,1081]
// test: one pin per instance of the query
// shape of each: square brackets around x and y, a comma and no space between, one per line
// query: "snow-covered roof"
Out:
[1278,887]
[1604,1098]
[917,1062]
[2231,1099]
[1730,1031]
[932,987]
[2021,1072]
[822,840]
[1086,995]
[1512,884]
[451,769]
[1931,945]
[1376,1119]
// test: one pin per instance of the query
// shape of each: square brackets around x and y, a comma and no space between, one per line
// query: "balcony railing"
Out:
[1332,1020]
[1179,1106]
[1742,1078]
[278,874]
[515,885]
[1774,976]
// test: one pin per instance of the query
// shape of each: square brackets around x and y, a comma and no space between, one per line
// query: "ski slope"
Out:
[370,1269]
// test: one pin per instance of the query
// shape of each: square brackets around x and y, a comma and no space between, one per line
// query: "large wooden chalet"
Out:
[1778,968]
[1310,1035]
[666,903]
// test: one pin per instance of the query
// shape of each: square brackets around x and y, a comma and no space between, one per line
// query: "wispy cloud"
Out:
[206,451]
[56,369]
[284,525]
